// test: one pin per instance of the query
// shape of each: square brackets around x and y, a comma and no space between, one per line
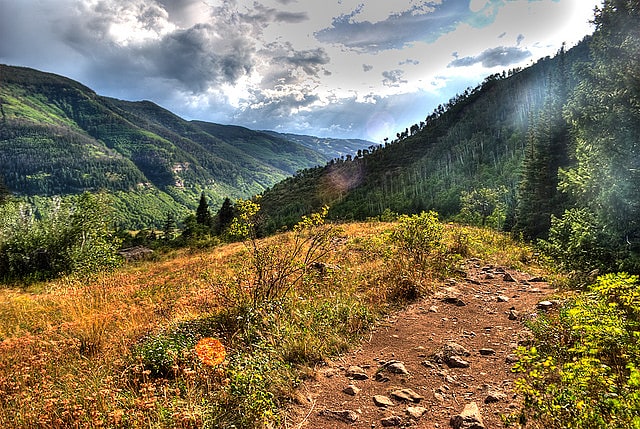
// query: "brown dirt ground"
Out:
[412,336]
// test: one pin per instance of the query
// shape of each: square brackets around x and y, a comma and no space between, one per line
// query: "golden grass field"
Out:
[79,352]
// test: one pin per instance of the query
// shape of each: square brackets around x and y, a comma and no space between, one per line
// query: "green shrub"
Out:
[71,235]
[583,371]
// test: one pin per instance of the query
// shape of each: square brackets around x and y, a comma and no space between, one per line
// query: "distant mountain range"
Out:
[58,137]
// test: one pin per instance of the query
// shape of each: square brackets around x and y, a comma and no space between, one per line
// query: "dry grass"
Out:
[67,353]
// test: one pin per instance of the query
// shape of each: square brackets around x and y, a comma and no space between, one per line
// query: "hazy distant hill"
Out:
[59,137]
[331,148]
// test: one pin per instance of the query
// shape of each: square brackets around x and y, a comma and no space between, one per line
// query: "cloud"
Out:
[426,22]
[393,78]
[367,67]
[493,57]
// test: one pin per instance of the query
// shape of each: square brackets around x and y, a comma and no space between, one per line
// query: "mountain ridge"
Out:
[59,137]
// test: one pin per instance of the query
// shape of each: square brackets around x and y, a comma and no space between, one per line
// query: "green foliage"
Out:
[72,235]
[417,238]
[583,371]
[577,242]
[278,267]
[605,119]
[483,207]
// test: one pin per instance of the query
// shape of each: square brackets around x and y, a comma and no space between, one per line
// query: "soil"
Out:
[496,301]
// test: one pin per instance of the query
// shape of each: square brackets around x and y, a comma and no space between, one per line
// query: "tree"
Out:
[169,229]
[4,191]
[224,216]
[605,116]
[203,215]
[547,152]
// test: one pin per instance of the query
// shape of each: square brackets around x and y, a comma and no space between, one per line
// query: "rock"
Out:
[136,253]
[346,416]
[416,412]
[494,395]
[381,378]
[503,298]
[356,373]
[511,358]
[382,401]
[513,314]
[428,364]
[455,301]
[457,362]
[391,421]
[351,390]
[537,280]
[508,278]
[544,305]
[396,367]
[469,418]
[433,309]
[407,395]
[487,352]
[455,349]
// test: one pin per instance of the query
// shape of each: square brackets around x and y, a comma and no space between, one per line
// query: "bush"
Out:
[72,235]
[583,371]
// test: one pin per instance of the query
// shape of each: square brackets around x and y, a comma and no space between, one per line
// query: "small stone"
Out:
[545,305]
[469,418]
[439,396]
[346,416]
[351,390]
[457,362]
[455,301]
[407,395]
[416,412]
[382,401]
[503,298]
[391,421]
[511,358]
[494,396]
[356,373]
[433,309]
[508,278]
[381,378]
[428,364]
[396,367]
[537,280]
[513,315]
[487,352]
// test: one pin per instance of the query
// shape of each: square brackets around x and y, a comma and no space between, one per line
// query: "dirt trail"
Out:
[483,313]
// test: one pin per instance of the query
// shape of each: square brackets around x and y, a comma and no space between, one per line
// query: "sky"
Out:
[331,68]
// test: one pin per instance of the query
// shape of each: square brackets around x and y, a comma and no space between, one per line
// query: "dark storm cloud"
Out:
[204,55]
[397,30]
[493,57]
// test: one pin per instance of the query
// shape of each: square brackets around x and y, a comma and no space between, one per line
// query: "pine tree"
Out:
[203,215]
[547,152]
[225,215]
[605,114]
[5,193]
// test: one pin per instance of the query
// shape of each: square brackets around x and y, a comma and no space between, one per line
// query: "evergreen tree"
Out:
[225,215]
[605,115]
[203,215]
[4,191]
[547,152]
[170,227]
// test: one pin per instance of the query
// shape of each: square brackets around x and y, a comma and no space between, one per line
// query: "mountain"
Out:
[58,137]
[329,147]
[477,142]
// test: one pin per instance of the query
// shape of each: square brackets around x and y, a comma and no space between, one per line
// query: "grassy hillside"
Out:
[58,137]
[119,350]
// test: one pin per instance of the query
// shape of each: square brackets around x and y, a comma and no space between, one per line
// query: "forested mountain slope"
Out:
[59,137]
[478,140]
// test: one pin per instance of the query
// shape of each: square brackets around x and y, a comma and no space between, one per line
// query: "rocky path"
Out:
[443,362]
